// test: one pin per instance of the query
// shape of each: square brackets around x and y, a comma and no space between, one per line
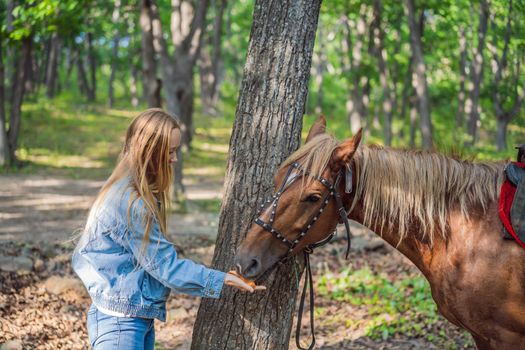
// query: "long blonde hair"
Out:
[144,159]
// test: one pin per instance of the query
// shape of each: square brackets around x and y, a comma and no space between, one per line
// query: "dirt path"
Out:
[49,210]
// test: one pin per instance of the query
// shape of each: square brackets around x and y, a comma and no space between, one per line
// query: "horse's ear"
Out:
[345,151]
[318,128]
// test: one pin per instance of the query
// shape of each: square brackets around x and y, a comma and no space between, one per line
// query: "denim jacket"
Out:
[108,260]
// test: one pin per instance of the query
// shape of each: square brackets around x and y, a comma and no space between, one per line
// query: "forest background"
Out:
[446,75]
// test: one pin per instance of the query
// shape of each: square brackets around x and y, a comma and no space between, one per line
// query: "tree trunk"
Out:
[505,115]
[149,65]
[4,150]
[477,75]
[419,77]
[71,57]
[82,79]
[357,104]
[92,92]
[17,96]
[460,114]
[133,85]
[9,50]
[380,53]
[52,65]
[29,73]
[405,99]
[45,61]
[320,67]
[114,56]
[210,64]
[187,25]
[501,133]
[413,119]
[186,28]
[267,129]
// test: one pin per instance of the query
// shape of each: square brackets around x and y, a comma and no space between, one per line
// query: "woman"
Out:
[123,257]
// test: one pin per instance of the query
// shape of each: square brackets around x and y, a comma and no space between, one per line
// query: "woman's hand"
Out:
[232,279]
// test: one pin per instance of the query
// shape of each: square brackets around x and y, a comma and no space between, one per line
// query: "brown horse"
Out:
[440,212]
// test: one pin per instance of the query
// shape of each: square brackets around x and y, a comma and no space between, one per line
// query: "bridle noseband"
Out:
[292,244]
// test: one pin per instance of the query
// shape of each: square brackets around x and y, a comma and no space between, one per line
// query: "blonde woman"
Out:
[123,257]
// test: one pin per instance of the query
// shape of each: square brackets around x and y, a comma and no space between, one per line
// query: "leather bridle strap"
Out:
[343,217]
[307,281]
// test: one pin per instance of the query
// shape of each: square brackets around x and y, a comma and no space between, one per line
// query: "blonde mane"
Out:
[402,188]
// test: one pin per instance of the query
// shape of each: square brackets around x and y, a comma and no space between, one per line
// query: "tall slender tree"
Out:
[4,149]
[150,83]
[115,18]
[419,77]
[504,115]
[210,60]
[187,24]
[473,105]
[267,128]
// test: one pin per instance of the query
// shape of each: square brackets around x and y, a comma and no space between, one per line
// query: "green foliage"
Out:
[441,25]
[64,137]
[42,17]
[400,306]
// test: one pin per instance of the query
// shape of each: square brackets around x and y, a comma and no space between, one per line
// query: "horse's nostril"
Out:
[253,268]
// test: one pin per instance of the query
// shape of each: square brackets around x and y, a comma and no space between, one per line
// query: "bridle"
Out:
[289,178]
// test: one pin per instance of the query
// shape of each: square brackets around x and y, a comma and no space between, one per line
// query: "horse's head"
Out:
[304,209]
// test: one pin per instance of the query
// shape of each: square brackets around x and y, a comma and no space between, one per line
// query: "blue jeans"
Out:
[112,333]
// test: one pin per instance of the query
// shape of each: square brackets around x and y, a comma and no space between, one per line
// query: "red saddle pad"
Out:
[506,197]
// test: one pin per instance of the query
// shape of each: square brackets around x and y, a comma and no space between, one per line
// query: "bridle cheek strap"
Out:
[307,250]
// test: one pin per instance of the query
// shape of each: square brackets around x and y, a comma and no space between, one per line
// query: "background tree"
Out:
[210,60]
[419,77]
[150,82]
[478,61]
[267,128]
[507,96]
[115,21]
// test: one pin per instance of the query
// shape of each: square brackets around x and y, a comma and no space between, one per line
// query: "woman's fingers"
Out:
[240,283]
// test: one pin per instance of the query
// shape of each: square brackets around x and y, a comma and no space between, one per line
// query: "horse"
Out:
[441,212]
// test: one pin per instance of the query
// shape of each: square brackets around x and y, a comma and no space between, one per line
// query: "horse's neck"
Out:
[415,249]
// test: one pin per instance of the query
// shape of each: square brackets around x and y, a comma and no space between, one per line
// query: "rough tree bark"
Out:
[477,75]
[267,129]
[419,78]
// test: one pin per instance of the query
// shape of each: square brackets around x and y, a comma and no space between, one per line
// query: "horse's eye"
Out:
[312,198]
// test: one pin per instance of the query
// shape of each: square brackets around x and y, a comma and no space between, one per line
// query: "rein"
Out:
[291,244]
